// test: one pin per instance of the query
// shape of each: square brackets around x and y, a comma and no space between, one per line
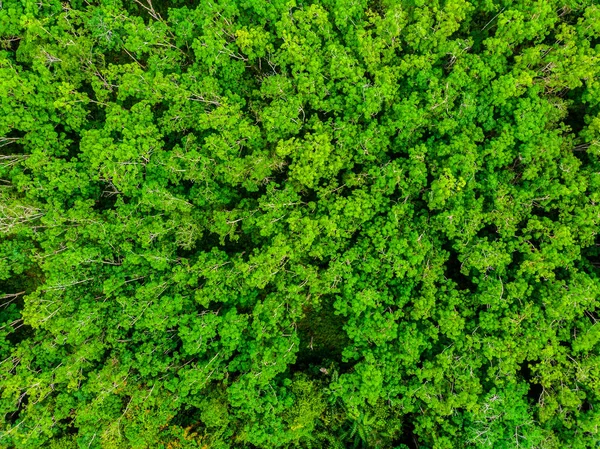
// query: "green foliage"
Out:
[312,224]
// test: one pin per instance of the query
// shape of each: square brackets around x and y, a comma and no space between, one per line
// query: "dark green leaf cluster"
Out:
[299,224]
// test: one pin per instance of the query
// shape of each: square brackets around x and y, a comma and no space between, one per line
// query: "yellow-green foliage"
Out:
[299,223]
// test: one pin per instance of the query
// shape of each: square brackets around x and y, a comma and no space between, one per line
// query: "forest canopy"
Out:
[299,224]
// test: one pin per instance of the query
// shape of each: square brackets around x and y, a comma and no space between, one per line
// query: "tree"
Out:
[336,223]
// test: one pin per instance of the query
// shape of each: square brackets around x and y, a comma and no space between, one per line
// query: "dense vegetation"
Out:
[289,223]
